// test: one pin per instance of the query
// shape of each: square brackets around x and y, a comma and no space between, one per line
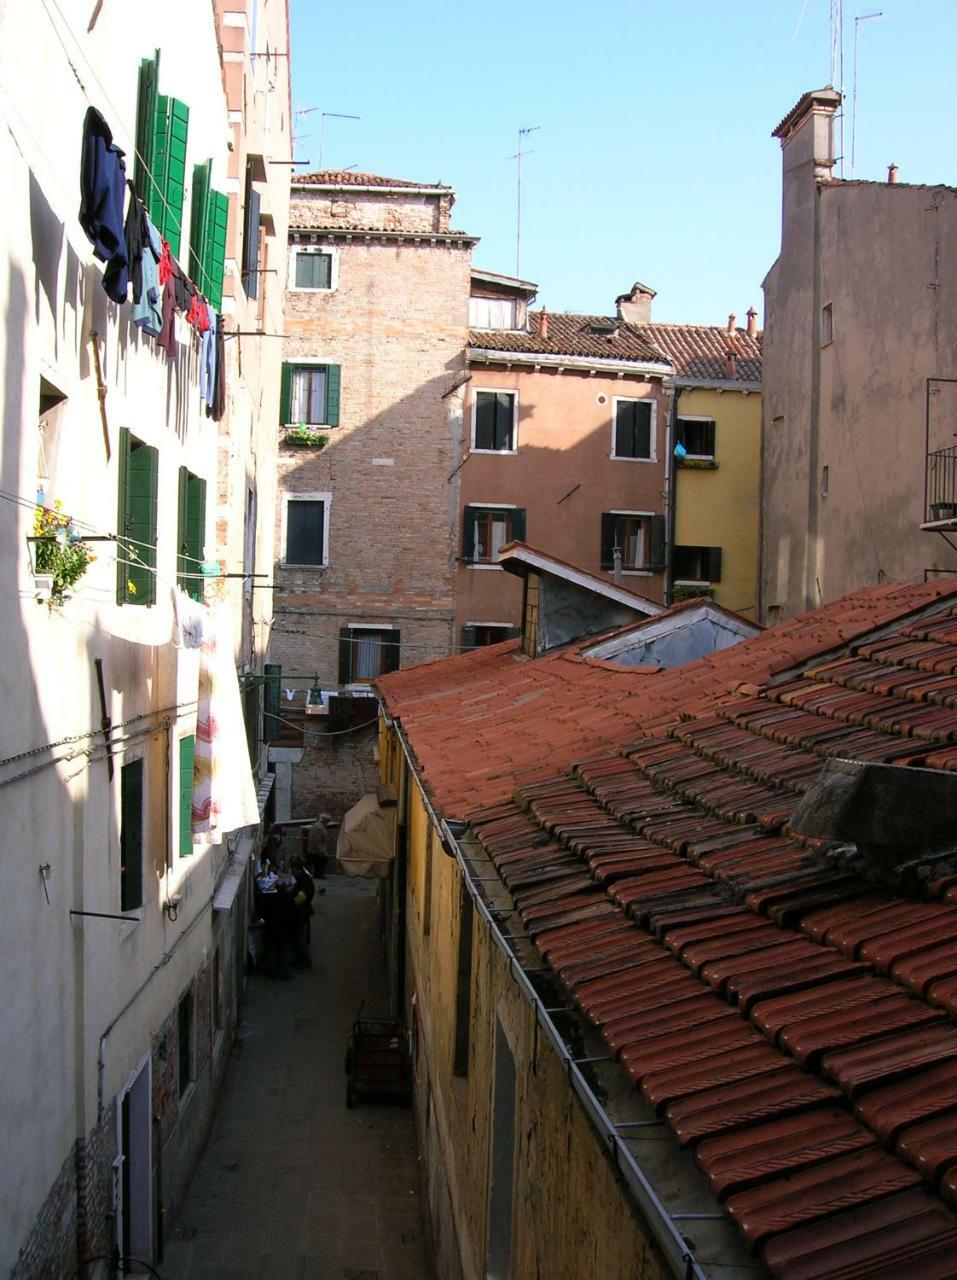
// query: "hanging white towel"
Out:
[189,617]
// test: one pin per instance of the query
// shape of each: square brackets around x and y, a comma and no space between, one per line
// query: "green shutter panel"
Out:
[392,653]
[199,201]
[714,564]
[181,538]
[517,525]
[140,530]
[122,515]
[187,755]
[607,540]
[131,836]
[468,534]
[709,439]
[345,655]
[145,124]
[195,533]
[285,395]
[333,387]
[271,695]
[171,226]
[217,219]
[656,555]
[155,198]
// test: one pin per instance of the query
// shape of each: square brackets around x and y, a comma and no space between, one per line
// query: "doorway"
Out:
[134,1222]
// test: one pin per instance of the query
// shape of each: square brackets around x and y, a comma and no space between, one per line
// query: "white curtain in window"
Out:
[492,313]
[309,395]
[634,550]
[367,656]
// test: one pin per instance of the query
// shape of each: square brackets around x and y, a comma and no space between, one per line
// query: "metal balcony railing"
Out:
[941,486]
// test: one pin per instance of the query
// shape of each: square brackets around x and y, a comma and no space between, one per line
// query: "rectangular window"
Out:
[191,533]
[463,985]
[697,436]
[639,537]
[131,836]
[209,212]
[187,756]
[427,887]
[251,220]
[697,564]
[493,423]
[310,395]
[633,429]
[827,324]
[159,171]
[307,527]
[477,635]
[217,995]
[313,270]
[138,466]
[486,529]
[184,1027]
[502,1171]
[493,313]
[367,652]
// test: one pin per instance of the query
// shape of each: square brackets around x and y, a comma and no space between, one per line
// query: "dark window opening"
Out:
[697,436]
[633,429]
[131,836]
[487,529]
[697,564]
[502,1161]
[463,986]
[639,539]
[495,420]
[479,635]
[184,1022]
[217,994]
[251,222]
[305,531]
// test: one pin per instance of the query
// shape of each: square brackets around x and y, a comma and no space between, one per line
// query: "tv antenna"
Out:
[837,65]
[863,17]
[323,117]
[522,135]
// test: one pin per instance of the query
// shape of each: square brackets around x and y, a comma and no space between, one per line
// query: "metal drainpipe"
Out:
[671,480]
[661,1224]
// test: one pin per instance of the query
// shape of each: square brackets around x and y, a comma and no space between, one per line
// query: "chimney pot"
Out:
[543,324]
[752,323]
[892,173]
[730,365]
[732,321]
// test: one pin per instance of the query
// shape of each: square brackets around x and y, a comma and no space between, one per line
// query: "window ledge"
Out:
[620,457]
[507,453]
[481,564]
[693,463]
[289,564]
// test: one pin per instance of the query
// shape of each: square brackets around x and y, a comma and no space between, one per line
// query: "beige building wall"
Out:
[860,319]
[562,474]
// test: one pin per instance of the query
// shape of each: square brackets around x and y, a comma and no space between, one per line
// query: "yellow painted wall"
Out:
[720,507]
[572,1216]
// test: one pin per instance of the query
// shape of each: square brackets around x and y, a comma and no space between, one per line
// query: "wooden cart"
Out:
[377,1061]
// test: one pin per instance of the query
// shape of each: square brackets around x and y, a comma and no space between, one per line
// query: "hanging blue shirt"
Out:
[148,311]
[102,192]
[207,367]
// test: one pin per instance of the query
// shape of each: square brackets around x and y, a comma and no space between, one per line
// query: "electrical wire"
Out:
[92,733]
[321,736]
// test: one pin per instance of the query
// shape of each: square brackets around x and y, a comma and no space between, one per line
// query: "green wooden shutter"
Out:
[136,532]
[468,534]
[156,192]
[285,395]
[271,695]
[345,655]
[122,515]
[199,202]
[171,226]
[714,564]
[217,219]
[607,540]
[251,220]
[195,533]
[145,125]
[391,654]
[516,525]
[131,835]
[333,394]
[656,554]
[181,539]
[187,756]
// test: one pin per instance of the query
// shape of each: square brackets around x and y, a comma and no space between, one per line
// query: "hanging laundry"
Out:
[184,291]
[189,617]
[218,406]
[102,192]
[167,336]
[207,365]
[197,315]
[166,263]
[224,794]
[148,308]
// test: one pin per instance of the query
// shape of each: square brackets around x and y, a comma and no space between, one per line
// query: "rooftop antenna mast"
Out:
[522,135]
[837,65]
[323,117]
[863,17]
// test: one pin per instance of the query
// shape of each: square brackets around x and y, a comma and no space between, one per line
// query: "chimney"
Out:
[732,321]
[892,173]
[807,134]
[730,365]
[752,323]
[635,307]
[543,324]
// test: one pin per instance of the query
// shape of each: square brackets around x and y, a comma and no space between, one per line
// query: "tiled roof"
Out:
[696,351]
[571,335]
[790,1019]
[306,219]
[349,178]
[699,351]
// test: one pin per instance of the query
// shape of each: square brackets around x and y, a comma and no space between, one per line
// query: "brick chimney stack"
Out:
[752,323]
[732,322]
[635,307]
[892,172]
[730,365]
[543,324]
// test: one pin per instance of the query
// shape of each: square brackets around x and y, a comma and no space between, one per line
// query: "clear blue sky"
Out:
[654,159]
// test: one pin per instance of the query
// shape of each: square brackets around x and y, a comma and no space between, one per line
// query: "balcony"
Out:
[940,491]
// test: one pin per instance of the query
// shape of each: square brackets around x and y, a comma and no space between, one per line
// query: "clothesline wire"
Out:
[92,733]
[312,733]
[437,649]
[117,114]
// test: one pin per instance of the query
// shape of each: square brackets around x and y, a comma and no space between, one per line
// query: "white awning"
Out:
[366,844]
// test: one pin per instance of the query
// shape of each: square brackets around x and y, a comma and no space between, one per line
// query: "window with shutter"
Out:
[136,521]
[191,533]
[633,430]
[697,564]
[697,436]
[486,529]
[131,836]
[209,212]
[310,395]
[272,689]
[251,236]
[367,652]
[305,531]
[187,756]
[493,421]
[638,538]
[159,171]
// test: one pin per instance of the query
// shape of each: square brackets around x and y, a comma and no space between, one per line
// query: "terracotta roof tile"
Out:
[350,178]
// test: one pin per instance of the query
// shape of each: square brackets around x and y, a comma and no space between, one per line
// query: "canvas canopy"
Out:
[366,842]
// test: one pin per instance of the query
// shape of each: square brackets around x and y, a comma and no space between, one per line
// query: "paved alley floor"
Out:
[292,1185]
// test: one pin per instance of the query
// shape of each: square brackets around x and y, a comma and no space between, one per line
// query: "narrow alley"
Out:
[293,1185]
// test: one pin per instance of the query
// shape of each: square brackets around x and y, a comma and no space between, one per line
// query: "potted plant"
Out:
[303,434]
[60,556]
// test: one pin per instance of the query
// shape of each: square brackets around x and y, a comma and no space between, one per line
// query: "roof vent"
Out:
[605,327]
[901,820]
